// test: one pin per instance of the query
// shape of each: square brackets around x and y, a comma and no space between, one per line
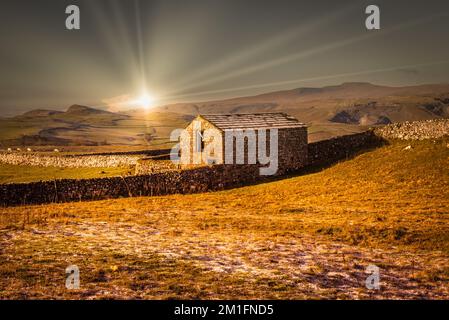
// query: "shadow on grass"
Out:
[321,165]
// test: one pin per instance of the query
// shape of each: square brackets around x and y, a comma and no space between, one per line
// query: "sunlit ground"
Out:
[310,236]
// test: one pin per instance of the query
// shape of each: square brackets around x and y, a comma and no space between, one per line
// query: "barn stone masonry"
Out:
[189,138]
[263,139]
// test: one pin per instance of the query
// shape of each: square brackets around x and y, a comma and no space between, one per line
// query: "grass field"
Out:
[309,236]
[17,174]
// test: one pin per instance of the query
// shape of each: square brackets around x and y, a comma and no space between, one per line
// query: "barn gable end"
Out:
[291,137]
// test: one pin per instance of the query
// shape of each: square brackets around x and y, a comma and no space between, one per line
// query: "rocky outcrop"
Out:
[360,115]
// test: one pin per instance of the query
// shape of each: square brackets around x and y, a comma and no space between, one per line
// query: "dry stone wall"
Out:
[30,159]
[149,166]
[103,160]
[331,150]
[293,149]
[416,130]
[202,179]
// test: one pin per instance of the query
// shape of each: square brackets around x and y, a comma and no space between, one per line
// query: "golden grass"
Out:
[17,174]
[309,236]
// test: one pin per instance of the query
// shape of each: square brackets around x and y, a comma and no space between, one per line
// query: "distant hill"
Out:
[336,110]
[368,103]
[79,125]
[37,113]
[329,111]
[86,126]
[79,110]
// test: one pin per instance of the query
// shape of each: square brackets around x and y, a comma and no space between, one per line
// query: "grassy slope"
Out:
[309,236]
[14,174]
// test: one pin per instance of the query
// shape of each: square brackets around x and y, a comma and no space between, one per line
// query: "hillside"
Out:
[80,125]
[329,111]
[75,114]
[309,236]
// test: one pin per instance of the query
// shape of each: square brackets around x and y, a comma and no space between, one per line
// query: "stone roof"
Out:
[252,121]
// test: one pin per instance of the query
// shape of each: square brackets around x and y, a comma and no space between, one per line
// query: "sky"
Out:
[131,52]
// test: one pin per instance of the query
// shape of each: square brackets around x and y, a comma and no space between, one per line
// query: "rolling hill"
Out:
[82,126]
[329,111]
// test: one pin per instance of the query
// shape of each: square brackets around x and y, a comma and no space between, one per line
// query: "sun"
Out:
[145,100]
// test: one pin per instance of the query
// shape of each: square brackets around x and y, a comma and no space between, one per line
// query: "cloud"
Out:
[117,103]
[409,71]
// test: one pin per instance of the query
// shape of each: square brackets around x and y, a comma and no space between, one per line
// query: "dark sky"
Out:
[194,50]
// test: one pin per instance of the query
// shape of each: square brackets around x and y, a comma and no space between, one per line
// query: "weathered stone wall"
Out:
[209,178]
[147,153]
[293,150]
[103,160]
[331,150]
[416,130]
[149,166]
[30,159]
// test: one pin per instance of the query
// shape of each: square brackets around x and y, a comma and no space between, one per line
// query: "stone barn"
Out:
[274,140]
